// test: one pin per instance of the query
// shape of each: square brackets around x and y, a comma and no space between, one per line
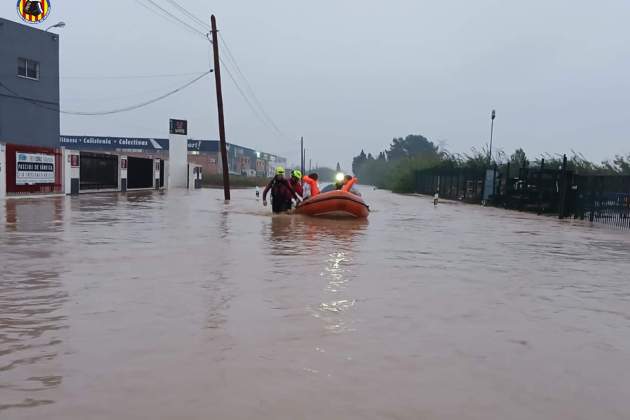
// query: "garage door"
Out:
[140,173]
[98,171]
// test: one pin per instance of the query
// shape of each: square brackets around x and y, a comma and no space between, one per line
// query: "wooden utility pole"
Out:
[302,154]
[217,78]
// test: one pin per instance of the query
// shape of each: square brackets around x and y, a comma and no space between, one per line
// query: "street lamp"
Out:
[56,25]
[492,116]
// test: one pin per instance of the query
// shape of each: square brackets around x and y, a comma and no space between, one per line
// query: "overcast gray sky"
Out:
[350,74]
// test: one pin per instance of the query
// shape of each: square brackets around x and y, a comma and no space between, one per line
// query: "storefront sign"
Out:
[179,127]
[112,143]
[34,169]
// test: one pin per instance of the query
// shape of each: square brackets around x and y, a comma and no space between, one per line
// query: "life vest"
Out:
[348,185]
[313,184]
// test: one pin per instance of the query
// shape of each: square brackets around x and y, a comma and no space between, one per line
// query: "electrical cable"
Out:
[192,16]
[115,111]
[168,15]
[256,107]
[148,76]
[238,87]
[248,86]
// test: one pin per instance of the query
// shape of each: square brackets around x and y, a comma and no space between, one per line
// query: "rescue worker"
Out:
[296,182]
[346,183]
[350,181]
[311,180]
[340,180]
[281,192]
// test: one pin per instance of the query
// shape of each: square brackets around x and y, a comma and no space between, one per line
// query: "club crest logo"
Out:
[33,11]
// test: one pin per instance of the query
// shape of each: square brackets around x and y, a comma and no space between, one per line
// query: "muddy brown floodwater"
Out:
[176,306]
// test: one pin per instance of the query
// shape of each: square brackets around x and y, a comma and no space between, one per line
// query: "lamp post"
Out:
[56,25]
[492,117]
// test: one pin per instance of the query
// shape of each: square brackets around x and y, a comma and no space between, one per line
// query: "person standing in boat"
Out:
[281,192]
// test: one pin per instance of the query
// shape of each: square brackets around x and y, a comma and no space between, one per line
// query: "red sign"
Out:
[123,163]
[74,161]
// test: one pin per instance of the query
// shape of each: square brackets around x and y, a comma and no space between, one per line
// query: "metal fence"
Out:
[537,189]
[603,199]
[454,184]
[540,189]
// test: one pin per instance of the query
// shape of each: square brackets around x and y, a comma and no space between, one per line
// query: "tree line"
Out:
[394,168]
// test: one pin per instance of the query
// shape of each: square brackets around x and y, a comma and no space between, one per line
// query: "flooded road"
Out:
[176,306]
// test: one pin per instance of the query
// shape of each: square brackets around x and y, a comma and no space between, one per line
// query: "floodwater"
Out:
[177,306]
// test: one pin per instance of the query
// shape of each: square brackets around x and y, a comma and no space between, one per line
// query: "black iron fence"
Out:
[603,199]
[600,199]
[455,184]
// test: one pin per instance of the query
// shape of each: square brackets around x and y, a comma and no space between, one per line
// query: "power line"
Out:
[248,86]
[147,76]
[192,16]
[238,87]
[168,15]
[115,111]
[256,106]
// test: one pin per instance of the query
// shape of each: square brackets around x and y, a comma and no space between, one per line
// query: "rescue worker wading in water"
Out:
[296,184]
[281,192]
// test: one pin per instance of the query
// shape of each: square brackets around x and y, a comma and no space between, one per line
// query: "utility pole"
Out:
[217,78]
[492,116]
[302,154]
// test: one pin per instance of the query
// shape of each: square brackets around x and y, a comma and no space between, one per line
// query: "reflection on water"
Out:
[224,311]
[290,233]
[32,215]
[32,299]
[329,244]
[336,274]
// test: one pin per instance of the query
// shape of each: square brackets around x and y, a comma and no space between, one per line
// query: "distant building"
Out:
[29,90]
[241,160]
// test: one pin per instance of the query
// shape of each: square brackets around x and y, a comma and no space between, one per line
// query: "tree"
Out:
[476,159]
[358,161]
[622,164]
[412,146]
[519,159]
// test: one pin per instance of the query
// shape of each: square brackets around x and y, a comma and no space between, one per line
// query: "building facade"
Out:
[100,152]
[242,161]
[29,85]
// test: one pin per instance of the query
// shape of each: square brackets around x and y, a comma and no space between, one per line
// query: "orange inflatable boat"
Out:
[334,204]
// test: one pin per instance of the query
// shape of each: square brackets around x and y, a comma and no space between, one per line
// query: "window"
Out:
[28,69]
